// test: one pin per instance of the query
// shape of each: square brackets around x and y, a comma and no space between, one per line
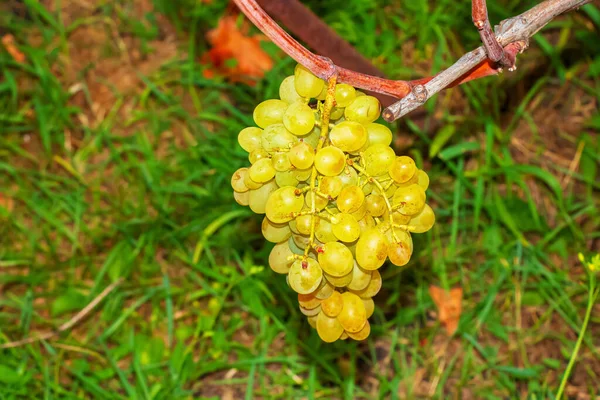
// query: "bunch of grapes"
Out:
[337,199]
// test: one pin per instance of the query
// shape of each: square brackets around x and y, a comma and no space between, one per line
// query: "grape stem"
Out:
[512,34]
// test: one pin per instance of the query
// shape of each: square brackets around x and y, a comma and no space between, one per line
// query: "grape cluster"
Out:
[337,199]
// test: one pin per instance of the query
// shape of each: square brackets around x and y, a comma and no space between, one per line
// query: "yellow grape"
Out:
[279,258]
[320,202]
[275,233]
[369,306]
[281,161]
[330,161]
[375,204]
[364,109]
[250,183]
[286,178]
[336,113]
[300,240]
[305,276]
[306,84]
[329,329]
[361,212]
[365,223]
[348,136]
[400,251]
[349,177]
[353,316]
[310,312]
[360,278]
[402,169]
[275,138]
[299,118]
[325,290]
[350,199]
[409,200]
[332,306]
[309,301]
[371,249]
[379,134]
[287,90]
[303,224]
[324,231]
[257,154]
[302,155]
[345,227]
[250,138]
[262,171]
[377,159]
[331,186]
[338,281]
[344,95]
[335,259]
[362,334]
[241,198]
[283,203]
[423,221]
[423,179]
[269,112]
[237,180]
[302,174]
[372,288]
[312,321]
[258,197]
[312,138]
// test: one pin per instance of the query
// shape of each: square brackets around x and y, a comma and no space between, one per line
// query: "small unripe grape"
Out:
[283,203]
[360,278]
[363,333]
[249,138]
[237,180]
[281,161]
[335,259]
[242,198]
[287,90]
[262,171]
[330,161]
[276,137]
[302,155]
[336,113]
[409,200]
[422,179]
[364,109]
[402,169]
[258,197]
[299,118]
[324,231]
[371,249]
[331,186]
[269,112]
[349,177]
[372,288]
[286,178]
[344,95]
[375,204]
[353,316]
[350,199]
[378,159]
[329,329]
[379,134]
[279,258]
[332,306]
[306,84]
[345,227]
[275,233]
[305,276]
[257,155]
[338,281]
[423,221]
[349,136]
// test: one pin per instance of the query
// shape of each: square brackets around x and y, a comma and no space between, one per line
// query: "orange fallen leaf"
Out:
[236,55]
[8,41]
[449,305]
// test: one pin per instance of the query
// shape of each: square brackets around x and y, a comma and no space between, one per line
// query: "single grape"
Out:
[280,258]
[423,221]
[275,137]
[281,161]
[250,183]
[324,231]
[312,138]
[335,259]
[369,306]
[275,233]
[331,186]
[286,178]
[349,177]
[336,113]
[287,90]
[362,334]
[372,288]
[237,180]
[257,154]
[301,240]
[309,301]
[349,136]
[350,199]
[310,312]
[262,171]
[330,161]
[294,247]
[312,321]
[345,227]
[423,179]
[338,281]
[242,198]
[258,197]
[283,203]
[402,169]
[365,223]
[361,212]
[409,200]
[353,316]
[360,278]
[305,276]
[302,155]
[329,329]
[304,223]
[375,204]
[400,250]
[371,249]
[379,134]
[320,202]
[306,84]
[299,118]
[344,95]
[332,306]
[249,138]
[269,112]
[367,188]
[364,109]
[377,159]
[302,174]
[325,290]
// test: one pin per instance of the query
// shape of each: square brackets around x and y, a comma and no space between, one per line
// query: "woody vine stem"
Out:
[511,34]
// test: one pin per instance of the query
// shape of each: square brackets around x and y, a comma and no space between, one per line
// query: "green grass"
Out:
[136,188]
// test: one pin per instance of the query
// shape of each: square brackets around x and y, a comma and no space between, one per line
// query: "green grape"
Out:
[287,90]
[304,223]
[303,174]
[409,200]
[275,233]
[331,186]
[286,178]
[360,278]
[379,134]
[269,112]
[348,136]
[363,333]
[249,138]
[299,118]
[371,249]
[330,161]
[305,276]
[336,113]
[349,177]
[400,252]
[423,221]
[335,259]
[329,329]
[332,306]
[338,281]
[320,202]
[237,180]
[377,159]
[258,197]
[375,204]
[367,188]
[324,231]
[302,155]
[313,138]
[402,169]
[309,301]
[361,212]
[390,190]
[423,179]
[345,227]
[364,109]
[353,316]
[281,162]
[257,154]
[241,198]
[280,258]
[365,223]
[301,240]
[399,218]
[372,288]
[275,137]
[283,203]
[323,95]
[262,171]
[294,247]
[325,290]
[359,93]
[350,199]
[344,95]
[369,306]
[306,84]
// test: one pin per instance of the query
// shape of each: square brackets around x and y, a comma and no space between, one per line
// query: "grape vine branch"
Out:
[512,34]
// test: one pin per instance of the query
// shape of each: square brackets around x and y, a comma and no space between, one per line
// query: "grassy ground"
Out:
[115,158]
